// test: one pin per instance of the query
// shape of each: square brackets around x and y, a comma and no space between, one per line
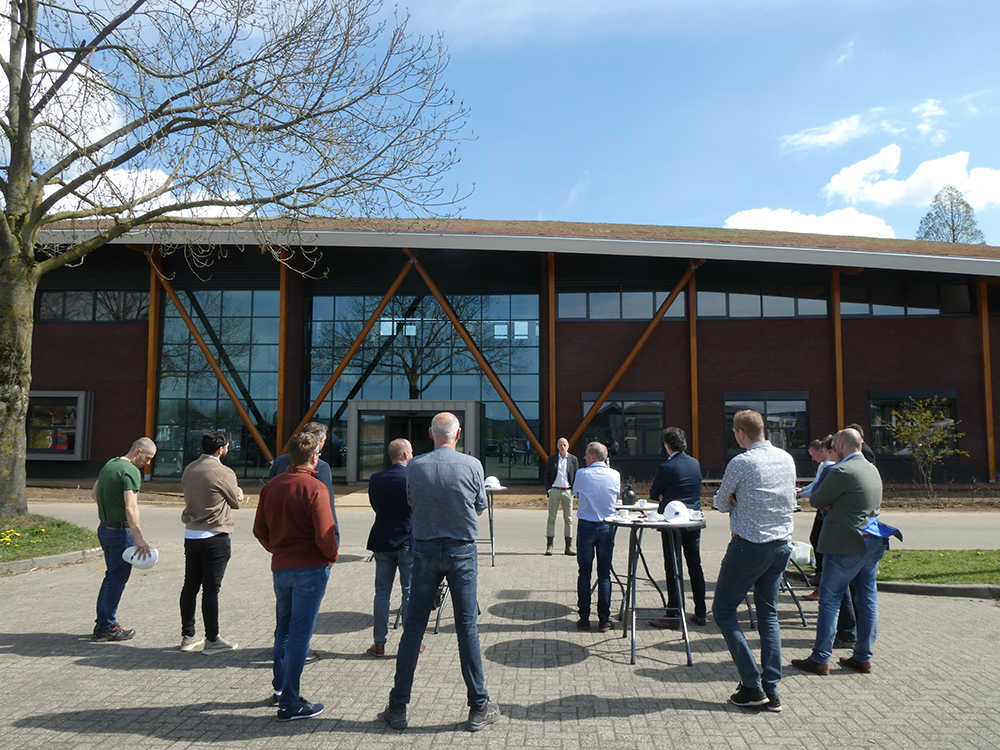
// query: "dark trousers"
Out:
[205,563]
[690,541]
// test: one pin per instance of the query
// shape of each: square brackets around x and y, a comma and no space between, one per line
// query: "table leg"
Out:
[674,561]
[493,546]
[633,570]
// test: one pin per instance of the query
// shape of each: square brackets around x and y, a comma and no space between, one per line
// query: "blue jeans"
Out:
[839,572]
[386,565]
[298,593]
[434,561]
[594,537]
[114,542]
[759,567]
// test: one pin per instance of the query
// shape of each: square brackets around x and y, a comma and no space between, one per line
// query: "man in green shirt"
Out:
[116,494]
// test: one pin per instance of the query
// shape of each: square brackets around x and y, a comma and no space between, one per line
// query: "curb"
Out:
[19,566]
[964,590]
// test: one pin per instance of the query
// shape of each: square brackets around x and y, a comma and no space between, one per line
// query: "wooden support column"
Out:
[283,302]
[632,355]
[552,351]
[984,348]
[254,432]
[480,359]
[838,345]
[153,350]
[693,354]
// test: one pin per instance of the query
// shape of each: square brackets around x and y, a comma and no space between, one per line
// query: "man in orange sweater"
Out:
[294,523]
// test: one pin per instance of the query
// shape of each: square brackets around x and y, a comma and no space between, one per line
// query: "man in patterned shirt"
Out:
[758,493]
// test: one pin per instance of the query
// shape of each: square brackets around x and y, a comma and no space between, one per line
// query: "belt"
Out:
[559,488]
[114,525]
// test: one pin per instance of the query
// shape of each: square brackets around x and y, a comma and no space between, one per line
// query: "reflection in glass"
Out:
[605,306]
[573,305]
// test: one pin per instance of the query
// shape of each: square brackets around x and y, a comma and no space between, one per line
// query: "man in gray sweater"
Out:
[446,490]
[211,493]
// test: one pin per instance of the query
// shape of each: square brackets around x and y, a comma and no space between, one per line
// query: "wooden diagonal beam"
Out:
[632,354]
[984,348]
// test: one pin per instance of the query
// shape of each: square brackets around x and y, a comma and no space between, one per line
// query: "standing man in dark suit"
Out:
[679,478]
[560,471]
[390,539]
[852,496]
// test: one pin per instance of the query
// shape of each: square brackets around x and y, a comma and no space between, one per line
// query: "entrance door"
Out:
[413,427]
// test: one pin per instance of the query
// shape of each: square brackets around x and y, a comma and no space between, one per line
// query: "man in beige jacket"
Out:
[211,493]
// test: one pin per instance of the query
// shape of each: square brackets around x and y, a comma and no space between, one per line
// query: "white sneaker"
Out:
[190,642]
[218,646]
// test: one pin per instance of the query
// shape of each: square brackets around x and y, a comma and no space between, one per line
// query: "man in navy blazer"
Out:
[679,478]
[390,539]
[323,473]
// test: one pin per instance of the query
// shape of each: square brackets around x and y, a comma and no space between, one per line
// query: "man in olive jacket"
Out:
[852,496]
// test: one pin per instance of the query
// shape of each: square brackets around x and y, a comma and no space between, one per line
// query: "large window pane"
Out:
[605,306]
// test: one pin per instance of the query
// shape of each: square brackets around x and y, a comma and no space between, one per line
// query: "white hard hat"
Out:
[130,556]
[676,511]
[492,483]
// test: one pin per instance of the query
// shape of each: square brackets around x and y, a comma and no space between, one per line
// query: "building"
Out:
[592,332]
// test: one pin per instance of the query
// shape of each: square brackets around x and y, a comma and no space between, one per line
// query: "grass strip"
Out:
[941,566]
[27,536]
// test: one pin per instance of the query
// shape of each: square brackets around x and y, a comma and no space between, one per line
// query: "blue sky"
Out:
[835,116]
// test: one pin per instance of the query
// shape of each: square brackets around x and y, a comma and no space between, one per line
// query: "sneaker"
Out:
[112,634]
[773,703]
[394,715]
[219,646]
[274,700]
[583,624]
[847,642]
[190,642]
[312,657]
[747,697]
[605,625]
[480,718]
[302,710]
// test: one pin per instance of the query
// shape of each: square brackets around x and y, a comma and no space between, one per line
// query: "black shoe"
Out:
[311,658]
[274,700]
[480,718]
[773,703]
[302,710]
[113,634]
[848,642]
[746,697]
[699,620]
[394,715]
[583,624]
[605,625]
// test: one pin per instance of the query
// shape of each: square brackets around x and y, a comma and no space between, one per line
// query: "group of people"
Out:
[426,525]
[758,492]
[427,522]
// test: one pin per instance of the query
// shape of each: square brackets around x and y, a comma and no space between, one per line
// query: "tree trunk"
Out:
[17,300]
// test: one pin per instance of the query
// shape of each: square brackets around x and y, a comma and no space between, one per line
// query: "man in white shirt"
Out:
[560,471]
[597,487]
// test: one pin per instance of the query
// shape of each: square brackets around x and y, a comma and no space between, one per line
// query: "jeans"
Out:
[298,593]
[759,567]
[205,563]
[839,572]
[594,537]
[434,561]
[560,499]
[114,542]
[690,541]
[386,565]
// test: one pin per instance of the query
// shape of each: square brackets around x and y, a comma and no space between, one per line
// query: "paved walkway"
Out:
[934,684]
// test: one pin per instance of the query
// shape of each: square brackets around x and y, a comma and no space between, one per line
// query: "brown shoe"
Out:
[666,623]
[808,665]
[813,597]
[858,666]
[376,649]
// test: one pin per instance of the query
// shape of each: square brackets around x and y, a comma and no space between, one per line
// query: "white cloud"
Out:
[841,131]
[863,181]
[847,54]
[579,191]
[928,111]
[845,221]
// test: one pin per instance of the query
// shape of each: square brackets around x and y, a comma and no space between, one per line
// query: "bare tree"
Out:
[951,219]
[207,112]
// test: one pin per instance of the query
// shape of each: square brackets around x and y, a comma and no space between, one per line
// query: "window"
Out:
[58,427]
[617,305]
[103,307]
[630,421]
[786,418]
[905,300]
[754,301]
[881,404]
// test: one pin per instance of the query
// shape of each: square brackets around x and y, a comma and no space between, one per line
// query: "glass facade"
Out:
[414,352]
[241,330]
[786,419]
[628,424]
